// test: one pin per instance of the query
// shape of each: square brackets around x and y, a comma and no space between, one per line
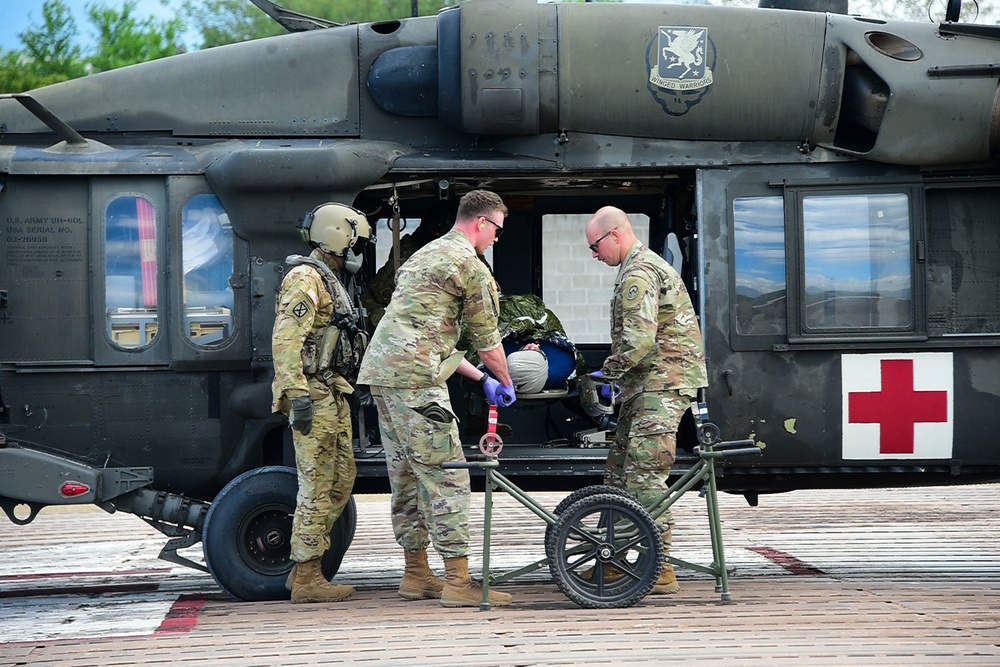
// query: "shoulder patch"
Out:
[633,289]
[301,309]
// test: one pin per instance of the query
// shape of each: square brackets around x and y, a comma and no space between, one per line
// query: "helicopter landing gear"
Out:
[248,530]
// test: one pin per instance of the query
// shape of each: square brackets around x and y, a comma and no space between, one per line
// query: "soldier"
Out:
[412,354]
[657,362]
[317,349]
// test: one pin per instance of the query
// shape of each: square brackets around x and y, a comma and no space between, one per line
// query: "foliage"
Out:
[124,40]
[51,55]
[229,21]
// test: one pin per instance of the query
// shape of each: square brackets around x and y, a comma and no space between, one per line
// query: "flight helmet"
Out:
[337,229]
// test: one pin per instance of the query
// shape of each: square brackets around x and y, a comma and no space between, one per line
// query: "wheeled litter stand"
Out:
[602,546]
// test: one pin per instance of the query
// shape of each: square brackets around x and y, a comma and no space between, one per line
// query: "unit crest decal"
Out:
[680,60]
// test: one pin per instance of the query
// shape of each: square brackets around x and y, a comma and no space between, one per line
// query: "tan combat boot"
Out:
[309,585]
[611,574]
[461,591]
[419,582]
[667,583]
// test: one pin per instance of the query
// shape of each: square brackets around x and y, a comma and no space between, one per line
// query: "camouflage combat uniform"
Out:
[324,458]
[658,361]
[407,363]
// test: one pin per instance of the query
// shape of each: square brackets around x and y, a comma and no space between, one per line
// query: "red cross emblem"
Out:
[897,407]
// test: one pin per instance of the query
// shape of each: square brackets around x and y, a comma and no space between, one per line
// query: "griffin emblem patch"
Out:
[680,61]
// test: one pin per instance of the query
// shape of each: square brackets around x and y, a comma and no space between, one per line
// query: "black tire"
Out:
[595,533]
[247,534]
[587,491]
[580,494]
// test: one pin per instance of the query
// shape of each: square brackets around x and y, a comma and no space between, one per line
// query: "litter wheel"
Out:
[604,551]
[580,494]
[587,491]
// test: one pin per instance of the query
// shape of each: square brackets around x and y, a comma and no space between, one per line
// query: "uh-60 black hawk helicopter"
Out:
[826,184]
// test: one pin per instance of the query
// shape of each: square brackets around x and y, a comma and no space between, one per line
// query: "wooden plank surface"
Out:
[882,577]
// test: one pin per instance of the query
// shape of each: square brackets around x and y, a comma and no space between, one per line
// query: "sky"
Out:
[16,16]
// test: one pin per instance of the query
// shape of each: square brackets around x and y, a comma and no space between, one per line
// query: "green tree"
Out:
[51,53]
[49,50]
[123,39]
[229,21]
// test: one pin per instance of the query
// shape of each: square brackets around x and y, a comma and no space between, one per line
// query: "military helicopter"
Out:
[826,184]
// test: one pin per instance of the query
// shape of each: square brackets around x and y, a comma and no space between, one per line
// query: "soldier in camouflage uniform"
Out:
[657,361]
[411,355]
[316,356]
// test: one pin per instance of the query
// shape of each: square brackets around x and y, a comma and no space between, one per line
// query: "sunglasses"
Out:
[593,246]
[499,228]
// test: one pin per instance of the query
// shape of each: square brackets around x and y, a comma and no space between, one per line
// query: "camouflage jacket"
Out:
[655,340]
[305,309]
[441,286]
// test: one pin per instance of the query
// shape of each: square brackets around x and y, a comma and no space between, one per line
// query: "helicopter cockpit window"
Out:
[207,255]
[759,235]
[131,271]
[857,263]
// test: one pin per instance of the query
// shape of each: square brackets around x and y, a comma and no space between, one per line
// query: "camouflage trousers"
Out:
[430,504]
[645,448]
[326,470]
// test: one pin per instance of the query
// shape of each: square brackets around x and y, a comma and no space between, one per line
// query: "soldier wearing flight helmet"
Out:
[317,350]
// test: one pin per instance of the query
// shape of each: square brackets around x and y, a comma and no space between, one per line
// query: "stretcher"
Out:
[602,546]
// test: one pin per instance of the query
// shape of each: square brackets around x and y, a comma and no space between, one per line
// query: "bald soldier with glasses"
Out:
[657,362]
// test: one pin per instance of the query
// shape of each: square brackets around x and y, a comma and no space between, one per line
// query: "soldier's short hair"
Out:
[479,202]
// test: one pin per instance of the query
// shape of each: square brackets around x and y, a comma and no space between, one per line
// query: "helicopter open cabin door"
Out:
[851,316]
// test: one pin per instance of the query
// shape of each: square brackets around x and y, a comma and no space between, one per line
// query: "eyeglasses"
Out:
[499,228]
[593,246]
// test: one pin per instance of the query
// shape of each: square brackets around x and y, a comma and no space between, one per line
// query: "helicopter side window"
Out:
[207,255]
[857,266]
[759,235]
[131,271]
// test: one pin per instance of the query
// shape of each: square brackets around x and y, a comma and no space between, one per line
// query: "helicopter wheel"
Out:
[248,530]
[604,551]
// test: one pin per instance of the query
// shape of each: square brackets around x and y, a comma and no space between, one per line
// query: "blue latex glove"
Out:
[609,390]
[505,395]
[490,387]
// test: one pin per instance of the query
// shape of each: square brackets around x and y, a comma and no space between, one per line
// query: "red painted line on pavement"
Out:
[787,561]
[183,615]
